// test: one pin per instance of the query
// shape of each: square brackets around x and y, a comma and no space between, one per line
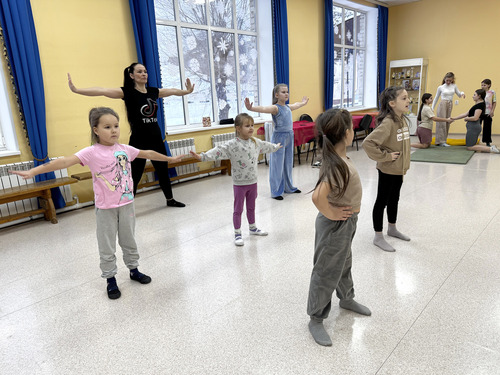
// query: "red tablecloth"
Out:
[356,119]
[303,132]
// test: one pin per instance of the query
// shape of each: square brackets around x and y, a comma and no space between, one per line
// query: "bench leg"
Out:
[48,206]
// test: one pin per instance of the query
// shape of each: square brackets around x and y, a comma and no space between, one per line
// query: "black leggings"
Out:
[389,186]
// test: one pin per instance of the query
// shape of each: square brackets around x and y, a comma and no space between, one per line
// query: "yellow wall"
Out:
[458,36]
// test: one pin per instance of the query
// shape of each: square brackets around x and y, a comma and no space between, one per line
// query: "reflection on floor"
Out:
[213,308]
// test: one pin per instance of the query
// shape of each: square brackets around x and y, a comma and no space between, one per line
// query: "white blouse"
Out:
[446,92]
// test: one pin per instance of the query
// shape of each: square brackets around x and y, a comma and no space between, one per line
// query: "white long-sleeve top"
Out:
[244,154]
[446,92]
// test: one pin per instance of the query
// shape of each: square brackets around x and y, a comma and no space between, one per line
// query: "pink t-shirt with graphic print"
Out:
[111,173]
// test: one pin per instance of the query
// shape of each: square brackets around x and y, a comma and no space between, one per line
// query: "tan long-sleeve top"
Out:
[390,136]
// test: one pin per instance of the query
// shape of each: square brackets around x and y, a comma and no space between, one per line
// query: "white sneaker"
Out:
[238,240]
[258,232]
[494,149]
[445,145]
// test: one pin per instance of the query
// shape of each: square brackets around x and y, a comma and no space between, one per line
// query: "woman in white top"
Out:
[446,92]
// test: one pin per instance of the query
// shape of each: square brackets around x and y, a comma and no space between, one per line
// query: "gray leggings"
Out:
[332,265]
[111,221]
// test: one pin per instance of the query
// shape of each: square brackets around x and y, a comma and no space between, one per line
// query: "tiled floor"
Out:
[213,308]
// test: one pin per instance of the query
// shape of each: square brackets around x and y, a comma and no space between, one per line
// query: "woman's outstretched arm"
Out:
[113,93]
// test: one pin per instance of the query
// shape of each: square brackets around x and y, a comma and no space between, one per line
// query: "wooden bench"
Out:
[33,190]
[225,168]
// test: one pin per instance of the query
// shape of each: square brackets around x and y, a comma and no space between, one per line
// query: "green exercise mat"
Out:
[439,154]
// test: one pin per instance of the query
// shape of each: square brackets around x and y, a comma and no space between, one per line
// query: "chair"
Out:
[364,125]
[306,117]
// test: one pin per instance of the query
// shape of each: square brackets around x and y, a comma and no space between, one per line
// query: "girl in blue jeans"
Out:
[281,162]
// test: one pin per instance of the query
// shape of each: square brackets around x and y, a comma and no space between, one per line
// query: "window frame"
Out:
[8,137]
[263,27]
[370,48]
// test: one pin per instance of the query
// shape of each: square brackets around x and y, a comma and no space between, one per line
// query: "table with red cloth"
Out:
[303,132]
[356,119]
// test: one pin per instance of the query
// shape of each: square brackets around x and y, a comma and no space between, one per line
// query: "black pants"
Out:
[389,186]
[487,129]
[154,142]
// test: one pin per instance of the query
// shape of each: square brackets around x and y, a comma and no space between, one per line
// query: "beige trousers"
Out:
[442,128]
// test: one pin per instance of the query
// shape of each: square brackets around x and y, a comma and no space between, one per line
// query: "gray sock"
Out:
[394,232]
[380,241]
[354,306]
[319,333]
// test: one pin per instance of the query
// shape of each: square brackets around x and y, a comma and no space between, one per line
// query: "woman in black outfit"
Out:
[140,101]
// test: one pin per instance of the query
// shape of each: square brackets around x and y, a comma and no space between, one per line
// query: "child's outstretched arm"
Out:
[217,153]
[195,155]
[51,166]
[265,147]
[442,119]
[272,109]
[153,155]
[163,93]
[113,93]
[320,200]
[297,105]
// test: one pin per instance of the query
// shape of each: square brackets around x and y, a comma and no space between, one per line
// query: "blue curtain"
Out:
[280,38]
[329,67]
[383,19]
[20,39]
[146,44]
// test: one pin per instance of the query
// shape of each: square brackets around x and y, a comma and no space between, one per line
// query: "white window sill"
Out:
[6,153]
[195,129]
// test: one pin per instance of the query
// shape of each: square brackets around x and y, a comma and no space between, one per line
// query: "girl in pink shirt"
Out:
[109,162]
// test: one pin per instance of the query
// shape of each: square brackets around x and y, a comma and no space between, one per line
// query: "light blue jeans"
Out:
[281,165]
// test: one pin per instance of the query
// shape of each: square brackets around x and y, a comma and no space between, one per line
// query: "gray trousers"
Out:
[332,265]
[111,221]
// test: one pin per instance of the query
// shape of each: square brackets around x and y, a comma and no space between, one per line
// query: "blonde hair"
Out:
[241,120]
[275,91]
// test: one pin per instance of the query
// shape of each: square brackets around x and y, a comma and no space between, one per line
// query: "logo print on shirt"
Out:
[149,109]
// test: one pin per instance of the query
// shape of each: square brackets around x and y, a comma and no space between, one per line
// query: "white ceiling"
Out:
[390,3]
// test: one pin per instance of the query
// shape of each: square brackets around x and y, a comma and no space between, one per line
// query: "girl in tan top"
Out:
[337,196]
[389,146]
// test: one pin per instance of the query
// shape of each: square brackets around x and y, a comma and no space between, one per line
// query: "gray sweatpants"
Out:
[111,221]
[332,265]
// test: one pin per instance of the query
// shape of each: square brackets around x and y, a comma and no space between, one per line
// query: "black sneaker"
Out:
[140,277]
[278,198]
[297,191]
[173,203]
[113,292]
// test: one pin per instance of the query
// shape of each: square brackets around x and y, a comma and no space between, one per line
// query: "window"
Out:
[214,43]
[8,141]
[354,55]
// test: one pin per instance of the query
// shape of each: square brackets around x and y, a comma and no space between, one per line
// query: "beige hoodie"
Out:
[390,136]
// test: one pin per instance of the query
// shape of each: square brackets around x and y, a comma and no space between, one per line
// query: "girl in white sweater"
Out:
[243,151]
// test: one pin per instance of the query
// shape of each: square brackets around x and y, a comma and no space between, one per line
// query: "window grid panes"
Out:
[214,44]
[349,28]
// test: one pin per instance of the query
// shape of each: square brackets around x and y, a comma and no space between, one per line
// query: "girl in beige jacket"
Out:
[389,146]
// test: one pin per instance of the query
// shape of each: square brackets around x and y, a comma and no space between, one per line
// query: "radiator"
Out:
[8,180]
[219,139]
[182,147]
